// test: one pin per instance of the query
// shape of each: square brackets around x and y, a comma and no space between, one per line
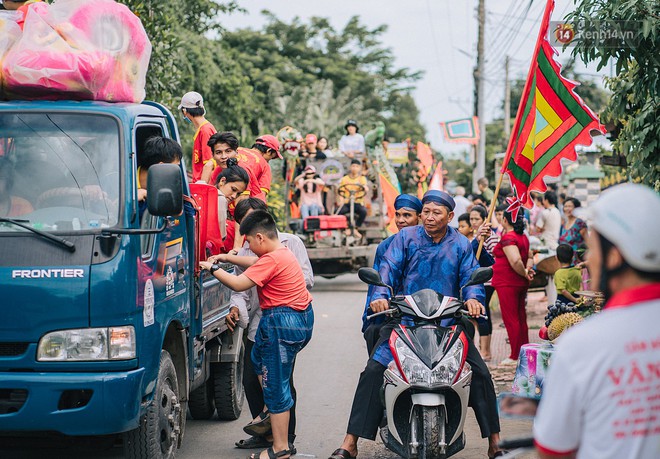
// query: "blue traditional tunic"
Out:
[380,251]
[414,262]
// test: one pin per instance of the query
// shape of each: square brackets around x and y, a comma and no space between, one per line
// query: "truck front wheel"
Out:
[228,383]
[161,427]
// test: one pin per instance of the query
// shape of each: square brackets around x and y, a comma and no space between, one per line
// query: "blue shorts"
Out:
[282,333]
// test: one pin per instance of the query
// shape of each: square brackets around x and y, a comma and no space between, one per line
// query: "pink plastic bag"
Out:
[10,32]
[79,49]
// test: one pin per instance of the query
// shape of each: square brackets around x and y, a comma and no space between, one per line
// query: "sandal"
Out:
[500,453]
[253,443]
[260,428]
[341,453]
[275,455]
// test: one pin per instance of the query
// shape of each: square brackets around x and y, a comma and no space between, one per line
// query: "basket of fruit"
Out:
[562,315]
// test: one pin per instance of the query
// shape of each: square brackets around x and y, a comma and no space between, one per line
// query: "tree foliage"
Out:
[635,101]
[305,74]
[297,68]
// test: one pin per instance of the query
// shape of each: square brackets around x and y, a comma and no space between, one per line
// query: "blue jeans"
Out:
[282,333]
[312,210]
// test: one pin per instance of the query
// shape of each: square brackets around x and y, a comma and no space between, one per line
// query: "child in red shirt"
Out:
[287,321]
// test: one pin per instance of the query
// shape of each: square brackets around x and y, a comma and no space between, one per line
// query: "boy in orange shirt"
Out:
[286,324]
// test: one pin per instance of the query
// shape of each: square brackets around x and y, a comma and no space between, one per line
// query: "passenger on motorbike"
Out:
[433,256]
[600,396]
[406,213]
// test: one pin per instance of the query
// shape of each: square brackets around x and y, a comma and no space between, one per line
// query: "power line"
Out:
[506,34]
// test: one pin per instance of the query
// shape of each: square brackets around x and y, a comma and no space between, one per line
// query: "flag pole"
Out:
[491,209]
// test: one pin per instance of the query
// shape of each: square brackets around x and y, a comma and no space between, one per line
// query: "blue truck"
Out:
[107,324]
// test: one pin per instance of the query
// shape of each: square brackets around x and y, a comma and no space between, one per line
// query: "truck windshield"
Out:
[59,172]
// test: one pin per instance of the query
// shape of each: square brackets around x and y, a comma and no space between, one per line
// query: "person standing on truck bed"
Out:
[224,146]
[255,161]
[286,324]
[156,150]
[246,313]
[352,144]
[192,108]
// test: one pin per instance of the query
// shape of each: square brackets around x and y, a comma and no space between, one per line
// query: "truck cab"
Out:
[108,324]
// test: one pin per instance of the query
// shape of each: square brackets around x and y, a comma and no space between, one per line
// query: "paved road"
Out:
[326,375]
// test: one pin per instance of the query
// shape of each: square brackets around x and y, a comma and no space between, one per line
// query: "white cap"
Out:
[628,216]
[191,99]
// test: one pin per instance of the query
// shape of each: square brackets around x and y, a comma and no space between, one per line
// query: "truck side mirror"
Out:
[165,190]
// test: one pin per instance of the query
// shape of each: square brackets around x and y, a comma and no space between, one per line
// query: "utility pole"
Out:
[479,80]
[507,99]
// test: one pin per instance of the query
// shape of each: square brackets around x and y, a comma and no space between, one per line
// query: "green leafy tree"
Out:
[635,101]
[285,58]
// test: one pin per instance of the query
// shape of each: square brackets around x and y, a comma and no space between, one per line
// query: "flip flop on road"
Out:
[253,443]
[341,453]
[500,453]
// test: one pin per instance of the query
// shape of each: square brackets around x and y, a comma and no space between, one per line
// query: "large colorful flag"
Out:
[550,122]
[461,131]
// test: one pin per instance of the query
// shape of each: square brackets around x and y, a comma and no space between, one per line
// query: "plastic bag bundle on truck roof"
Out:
[78,49]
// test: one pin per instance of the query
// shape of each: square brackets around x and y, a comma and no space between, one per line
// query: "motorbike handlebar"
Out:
[467,314]
[387,311]
[515,443]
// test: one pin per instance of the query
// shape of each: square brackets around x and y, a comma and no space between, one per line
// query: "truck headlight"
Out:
[85,344]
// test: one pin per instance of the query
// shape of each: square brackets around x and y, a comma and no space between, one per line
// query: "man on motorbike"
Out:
[600,397]
[433,256]
[406,213]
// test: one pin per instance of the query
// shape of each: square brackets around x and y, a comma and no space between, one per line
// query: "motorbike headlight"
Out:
[445,372]
[414,370]
[88,344]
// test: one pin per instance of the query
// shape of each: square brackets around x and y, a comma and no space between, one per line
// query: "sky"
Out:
[438,37]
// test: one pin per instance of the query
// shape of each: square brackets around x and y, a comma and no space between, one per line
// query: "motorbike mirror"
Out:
[513,406]
[480,276]
[370,276]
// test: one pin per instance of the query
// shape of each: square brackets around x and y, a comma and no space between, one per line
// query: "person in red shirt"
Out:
[224,146]
[286,324]
[511,280]
[192,108]
[255,161]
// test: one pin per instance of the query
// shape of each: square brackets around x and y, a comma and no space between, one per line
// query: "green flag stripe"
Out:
[558,86]
[552,152]
[528,108]
[518,172]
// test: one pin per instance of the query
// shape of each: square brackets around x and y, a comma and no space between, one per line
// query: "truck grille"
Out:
[12,349]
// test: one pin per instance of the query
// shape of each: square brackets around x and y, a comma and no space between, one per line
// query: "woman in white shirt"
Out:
[352,144]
